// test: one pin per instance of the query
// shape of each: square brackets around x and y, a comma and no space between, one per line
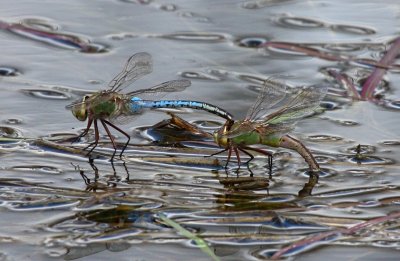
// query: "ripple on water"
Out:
[38,168]
[121,36]
[323,173]
[142,2]
[197,17]
[56,252]
[341,121]
[251,41]
[168,7]
[112,235]
[196,37]
[279,198]
[323,159]
[61,137]
[48,32]
[49,203]
[349,192]
[95,48]
[8,132]
[361,172]
[165,177]
[329,105]
[324,138]
[369,160]
[299,22]
[13,121]
[199,76]
[362,149]
[390,200]
[257,4]
[395,105]
[9,71]
[352,29]
[343,47]
[47,94]
[391,142]
[369,204]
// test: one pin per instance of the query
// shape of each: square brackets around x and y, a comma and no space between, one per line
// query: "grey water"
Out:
[49,212]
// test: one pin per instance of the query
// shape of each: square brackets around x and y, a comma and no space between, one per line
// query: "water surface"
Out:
[49,212]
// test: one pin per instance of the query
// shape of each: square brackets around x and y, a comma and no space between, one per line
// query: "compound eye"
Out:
[80,109]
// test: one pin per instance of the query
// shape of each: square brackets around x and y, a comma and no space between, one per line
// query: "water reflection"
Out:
[308,23]
[118,218]
[114,211]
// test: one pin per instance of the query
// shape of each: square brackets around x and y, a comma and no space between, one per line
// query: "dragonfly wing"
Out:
[124,119]
[133,108]
[137,66]
[161,89]
[297,107]
[270,95]
[280,129]
[158,91]
[240,129]
[264,130]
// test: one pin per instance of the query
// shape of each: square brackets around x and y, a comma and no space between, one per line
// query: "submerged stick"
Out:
[376,76]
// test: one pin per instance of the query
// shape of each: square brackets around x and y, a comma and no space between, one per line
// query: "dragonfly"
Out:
[111,106]
[268,122]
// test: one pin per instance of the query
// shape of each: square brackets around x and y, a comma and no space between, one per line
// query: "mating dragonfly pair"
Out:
[259,127]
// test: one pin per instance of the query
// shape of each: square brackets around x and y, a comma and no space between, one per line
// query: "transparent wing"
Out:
[137,66]
[284,119]
[241,128]
[298,106]
[248,127]
[124,119]
[161,89]
[271,94]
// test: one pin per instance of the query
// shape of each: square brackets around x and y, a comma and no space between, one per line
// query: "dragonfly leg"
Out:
[219,152]
[121,131]
[96,138]
[111,138]
[235,149]
[294,144]
[84,177]
[270,166]
[89,124]
[248,154]
[248,161]
[229,157]
[261,151]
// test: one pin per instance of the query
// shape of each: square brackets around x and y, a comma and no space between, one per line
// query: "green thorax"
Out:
[105,105]
[254,135]
[249,138]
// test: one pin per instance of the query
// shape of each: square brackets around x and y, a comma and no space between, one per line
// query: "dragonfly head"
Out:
[220,135]
[80,110]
